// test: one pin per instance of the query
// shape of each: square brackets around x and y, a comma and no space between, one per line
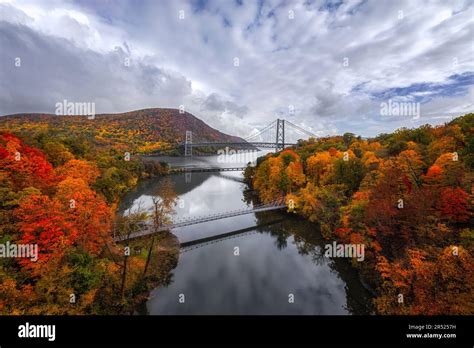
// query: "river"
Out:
[266,263]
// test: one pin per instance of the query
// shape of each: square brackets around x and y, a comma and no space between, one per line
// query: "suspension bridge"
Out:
[148,228]
[278,135]
[177,170]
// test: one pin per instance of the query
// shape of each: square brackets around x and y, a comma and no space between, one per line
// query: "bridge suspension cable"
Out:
[261,131]
[148,228]
[306,132]
[271,136]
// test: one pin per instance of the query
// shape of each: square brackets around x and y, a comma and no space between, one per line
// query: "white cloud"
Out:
[76,49]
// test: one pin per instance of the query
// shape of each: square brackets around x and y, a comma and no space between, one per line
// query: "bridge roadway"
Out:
[149,229]
[173,170]
[240,144]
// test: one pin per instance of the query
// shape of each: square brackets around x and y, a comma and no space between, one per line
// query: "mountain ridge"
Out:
[153,124]
[145,131]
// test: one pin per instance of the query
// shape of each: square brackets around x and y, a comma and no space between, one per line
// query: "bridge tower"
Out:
[280,135]
[188,149]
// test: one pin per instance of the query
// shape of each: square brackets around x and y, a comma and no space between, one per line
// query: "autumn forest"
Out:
[407,196]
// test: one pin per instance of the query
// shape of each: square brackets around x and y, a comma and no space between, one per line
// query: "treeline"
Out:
[406,196]
[135,132]
[60,191]
[120,167]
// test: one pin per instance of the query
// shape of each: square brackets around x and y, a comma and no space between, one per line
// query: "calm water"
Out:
[280,257]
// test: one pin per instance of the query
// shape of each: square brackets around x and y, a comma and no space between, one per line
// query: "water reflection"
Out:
[278,256]
[272,264]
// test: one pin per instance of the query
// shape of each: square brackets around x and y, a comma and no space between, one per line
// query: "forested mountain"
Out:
[135,131]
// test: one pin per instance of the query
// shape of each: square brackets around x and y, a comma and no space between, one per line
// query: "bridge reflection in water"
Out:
[202,242]
[177,170]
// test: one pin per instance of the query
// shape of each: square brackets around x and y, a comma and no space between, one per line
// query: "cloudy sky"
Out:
[238,65]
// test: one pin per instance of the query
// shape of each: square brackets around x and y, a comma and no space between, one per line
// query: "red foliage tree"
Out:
[26,166]
[43,222]
[454,204]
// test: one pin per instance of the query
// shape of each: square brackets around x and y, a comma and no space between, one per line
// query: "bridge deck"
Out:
[209,169]
[240,144]
[149,229]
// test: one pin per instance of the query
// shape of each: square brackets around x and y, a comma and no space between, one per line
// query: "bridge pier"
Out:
[188,144]
[280,135]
